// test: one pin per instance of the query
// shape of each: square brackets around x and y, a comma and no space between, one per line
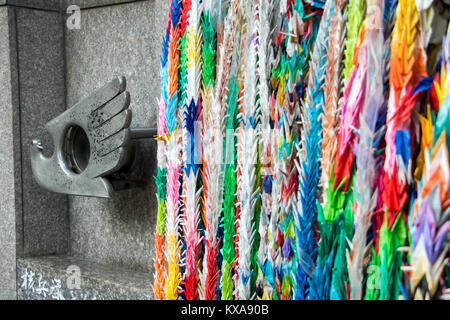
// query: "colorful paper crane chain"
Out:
[303,150]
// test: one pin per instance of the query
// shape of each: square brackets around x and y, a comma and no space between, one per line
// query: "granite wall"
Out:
[46,68]
[42,97]
[8,140]
[34,222]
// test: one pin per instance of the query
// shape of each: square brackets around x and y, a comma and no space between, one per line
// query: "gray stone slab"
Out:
[52,5]
[47,278]
[42,97]
[118,40]
[7,162]
[16,131]
[86,4]
[57,5]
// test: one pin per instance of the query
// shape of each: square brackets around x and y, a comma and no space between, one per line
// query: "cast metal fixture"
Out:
[93,145]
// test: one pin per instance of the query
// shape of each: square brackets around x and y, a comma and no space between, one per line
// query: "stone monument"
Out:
[53,53]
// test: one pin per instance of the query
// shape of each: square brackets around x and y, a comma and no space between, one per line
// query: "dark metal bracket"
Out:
[94,146]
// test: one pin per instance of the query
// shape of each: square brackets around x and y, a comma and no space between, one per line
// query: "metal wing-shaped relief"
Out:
[91,140]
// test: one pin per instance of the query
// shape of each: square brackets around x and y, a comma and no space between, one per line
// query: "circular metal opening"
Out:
[77,149]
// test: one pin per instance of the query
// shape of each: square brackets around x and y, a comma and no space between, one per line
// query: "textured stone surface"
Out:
[83,4]
[115,236]
[118,40]
[41,77]
[52,5]
[7,192]
[16,131]
[47,278]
